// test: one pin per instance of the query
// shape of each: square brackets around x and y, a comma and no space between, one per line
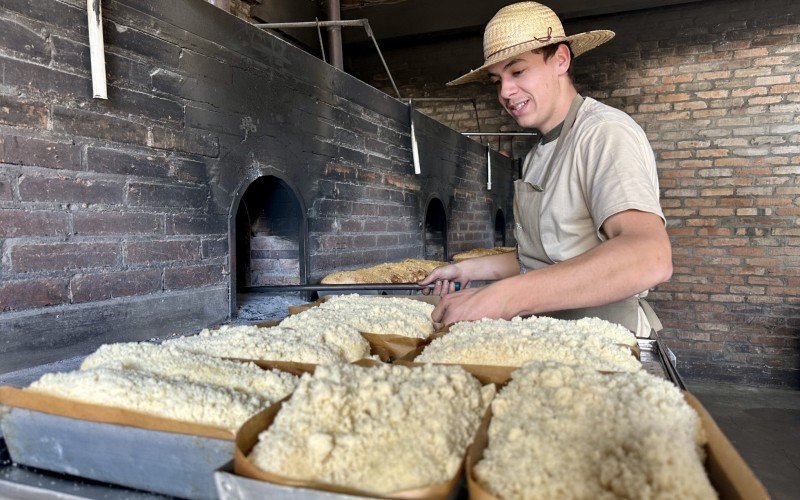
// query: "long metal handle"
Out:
[335,288]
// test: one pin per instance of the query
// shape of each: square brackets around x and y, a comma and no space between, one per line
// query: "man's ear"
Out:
[563,58]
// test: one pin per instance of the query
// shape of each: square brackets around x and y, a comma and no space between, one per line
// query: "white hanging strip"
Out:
[489,168]
[96,49]
[414,147]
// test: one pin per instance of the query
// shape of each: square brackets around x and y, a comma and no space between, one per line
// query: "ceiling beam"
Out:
[418,17]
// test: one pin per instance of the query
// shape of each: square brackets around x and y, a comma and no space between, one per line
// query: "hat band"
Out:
[546,38]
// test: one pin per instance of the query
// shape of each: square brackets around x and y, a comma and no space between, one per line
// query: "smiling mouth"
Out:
[515,108]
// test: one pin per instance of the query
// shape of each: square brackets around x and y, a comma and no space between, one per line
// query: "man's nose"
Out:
[507,89]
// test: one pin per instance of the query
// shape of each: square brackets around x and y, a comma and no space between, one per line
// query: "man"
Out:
[590,231]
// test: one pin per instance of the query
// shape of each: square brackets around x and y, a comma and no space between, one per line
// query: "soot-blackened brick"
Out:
[98,126]
[194,276]
[214,247]
[190,224]
[113,161]
[153,252]
[92,287]
[39,153]
[167,195]
[69,190]
[116,223]
[26,258]
[22,113]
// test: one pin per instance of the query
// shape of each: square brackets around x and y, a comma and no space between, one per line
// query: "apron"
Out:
[532,255]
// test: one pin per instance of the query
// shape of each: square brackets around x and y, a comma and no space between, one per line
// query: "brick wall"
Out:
[117,217]
[715,85]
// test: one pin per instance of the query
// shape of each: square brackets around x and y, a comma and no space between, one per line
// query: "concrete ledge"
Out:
[31,338]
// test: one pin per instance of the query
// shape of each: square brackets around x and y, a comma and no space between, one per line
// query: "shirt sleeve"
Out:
[620,172]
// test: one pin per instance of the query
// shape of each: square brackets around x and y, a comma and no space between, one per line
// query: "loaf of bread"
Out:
[173,398]
[167,361]
[370,314]
[512,343]
[406,271]
[562,431]
[379,430]
[481,252]
[309,343]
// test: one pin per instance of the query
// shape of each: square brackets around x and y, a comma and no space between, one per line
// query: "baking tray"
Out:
[169,463]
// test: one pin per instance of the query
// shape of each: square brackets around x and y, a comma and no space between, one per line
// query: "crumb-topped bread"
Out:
[512,343]
[172,398]
[380,430]
[406,271]
[562,431]
[170,362]
[481,252]
[302,344]
[371,314]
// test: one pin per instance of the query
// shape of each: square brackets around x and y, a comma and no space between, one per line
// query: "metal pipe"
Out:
[310,24]
[321,45]
[335,35]
[501,134]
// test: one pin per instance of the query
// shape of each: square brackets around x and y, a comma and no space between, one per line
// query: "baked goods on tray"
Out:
[512,343]
[481,252]
[380,429]
[406,271]
[560,431]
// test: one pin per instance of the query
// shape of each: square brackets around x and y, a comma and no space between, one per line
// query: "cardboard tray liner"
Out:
[729,474]
[45,403]
[387,347]
[53,405]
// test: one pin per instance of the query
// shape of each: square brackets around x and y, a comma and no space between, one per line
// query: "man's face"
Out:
[527,88]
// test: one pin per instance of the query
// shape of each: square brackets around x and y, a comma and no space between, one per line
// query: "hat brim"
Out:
[579,44]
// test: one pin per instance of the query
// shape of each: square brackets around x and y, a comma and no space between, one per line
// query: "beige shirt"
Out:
[606,166]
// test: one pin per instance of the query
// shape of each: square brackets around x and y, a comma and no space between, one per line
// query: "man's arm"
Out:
[490,267]
[636,257]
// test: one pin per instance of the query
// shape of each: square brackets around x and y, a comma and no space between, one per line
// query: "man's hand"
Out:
[471,304]
[444,278]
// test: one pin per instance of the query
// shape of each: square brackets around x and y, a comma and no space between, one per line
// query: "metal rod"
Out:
[355,22]
[321,45]
[512,134]
[371,36]
[442,98]
[344,287]
[335,35]
[330,288]
[310,24]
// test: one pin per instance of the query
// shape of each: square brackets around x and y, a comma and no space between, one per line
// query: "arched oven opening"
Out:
[499,229]
[435,231]
[270,240]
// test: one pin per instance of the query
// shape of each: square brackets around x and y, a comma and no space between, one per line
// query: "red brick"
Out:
[29,294]
[17,223]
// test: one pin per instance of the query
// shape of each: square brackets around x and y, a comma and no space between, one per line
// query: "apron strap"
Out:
[655,323]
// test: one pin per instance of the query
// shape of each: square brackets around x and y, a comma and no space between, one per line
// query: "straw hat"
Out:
[525,26]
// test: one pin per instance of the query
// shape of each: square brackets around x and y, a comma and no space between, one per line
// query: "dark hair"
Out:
[549,51]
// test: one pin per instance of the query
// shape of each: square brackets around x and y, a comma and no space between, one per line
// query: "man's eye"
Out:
[518,72]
